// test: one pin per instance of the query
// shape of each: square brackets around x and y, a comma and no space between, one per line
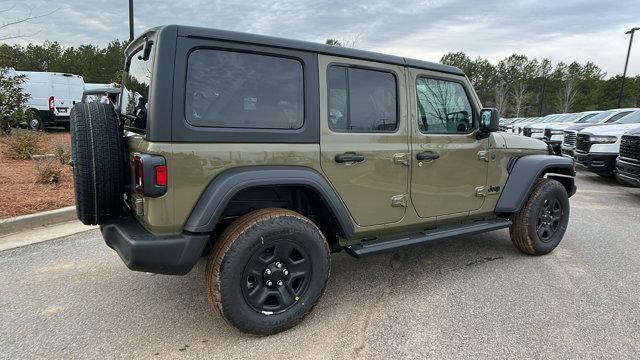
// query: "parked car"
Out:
[536,131]
[92,86]
[598,147]
[628,163]
[251,147]
[554,133]
[106,95]
[526,127]
[51,97]
[605,117]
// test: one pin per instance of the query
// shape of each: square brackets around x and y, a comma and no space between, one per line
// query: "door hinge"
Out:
[399,200]
[401,158]
[486,155]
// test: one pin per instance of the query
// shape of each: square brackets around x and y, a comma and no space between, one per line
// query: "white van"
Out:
[51,97]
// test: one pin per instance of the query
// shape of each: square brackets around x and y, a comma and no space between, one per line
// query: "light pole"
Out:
[626,63]
[131,21]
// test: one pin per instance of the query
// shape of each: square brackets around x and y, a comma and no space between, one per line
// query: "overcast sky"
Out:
[561,30]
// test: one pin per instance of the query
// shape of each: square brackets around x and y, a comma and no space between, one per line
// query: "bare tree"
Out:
[570,76]
[518,92]
[502,90]
[567,94]
[348,43]
[10,26]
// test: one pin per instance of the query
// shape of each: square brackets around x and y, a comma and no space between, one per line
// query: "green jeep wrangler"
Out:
[266,155]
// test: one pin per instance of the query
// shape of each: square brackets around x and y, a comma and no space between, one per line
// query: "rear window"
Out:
[361,100]
[135,93]
[243,90]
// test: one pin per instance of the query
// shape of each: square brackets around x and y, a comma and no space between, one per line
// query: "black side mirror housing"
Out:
[489,120]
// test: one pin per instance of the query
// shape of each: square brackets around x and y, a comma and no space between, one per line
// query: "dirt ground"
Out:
[19,192]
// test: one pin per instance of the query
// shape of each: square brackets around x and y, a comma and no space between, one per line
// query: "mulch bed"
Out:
[19,192]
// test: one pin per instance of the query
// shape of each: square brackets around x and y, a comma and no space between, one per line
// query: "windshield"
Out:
[135,90]
[586,117]
[551,118]
[567,118]
[600,117]
[632,118]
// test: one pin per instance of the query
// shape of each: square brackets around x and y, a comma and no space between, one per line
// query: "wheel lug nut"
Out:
[278,265]
[285,271]
[279,282]
[267,271]
[269,283]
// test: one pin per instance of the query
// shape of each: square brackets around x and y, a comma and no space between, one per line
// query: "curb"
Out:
[32,221]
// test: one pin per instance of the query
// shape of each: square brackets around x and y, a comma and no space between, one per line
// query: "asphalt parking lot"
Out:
[471,297]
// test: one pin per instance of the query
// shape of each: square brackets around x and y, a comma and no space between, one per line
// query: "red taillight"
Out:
[138,175]
[161,175]
[52,102]
[154,182]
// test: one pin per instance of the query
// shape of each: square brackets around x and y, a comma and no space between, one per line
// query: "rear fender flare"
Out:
[213,201]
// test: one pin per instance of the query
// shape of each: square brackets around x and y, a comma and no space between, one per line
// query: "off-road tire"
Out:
[232,253]
[524,234]
[96,152]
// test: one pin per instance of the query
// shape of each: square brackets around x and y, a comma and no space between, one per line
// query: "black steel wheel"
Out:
[549,218]
[539,227]
[276,277]
[267,270]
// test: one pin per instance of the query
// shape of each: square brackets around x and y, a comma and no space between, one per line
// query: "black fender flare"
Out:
[224,187]
[523,174]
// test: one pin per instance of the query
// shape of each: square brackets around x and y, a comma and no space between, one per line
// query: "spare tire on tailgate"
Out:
[96,145]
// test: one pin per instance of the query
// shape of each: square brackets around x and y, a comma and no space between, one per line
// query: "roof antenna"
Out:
[130,20]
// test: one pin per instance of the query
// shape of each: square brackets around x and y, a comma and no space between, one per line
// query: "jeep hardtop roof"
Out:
[224,35]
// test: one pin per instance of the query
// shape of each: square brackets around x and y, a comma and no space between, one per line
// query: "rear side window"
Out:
[243,90]
[361,100]
[443,107]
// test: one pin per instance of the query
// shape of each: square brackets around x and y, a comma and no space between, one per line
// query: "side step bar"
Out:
[374,246]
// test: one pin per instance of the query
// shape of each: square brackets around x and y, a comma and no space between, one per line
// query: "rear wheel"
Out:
[267,271]
[34,121]
[539,227]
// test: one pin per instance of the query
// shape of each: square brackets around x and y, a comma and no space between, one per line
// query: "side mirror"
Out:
[489,120]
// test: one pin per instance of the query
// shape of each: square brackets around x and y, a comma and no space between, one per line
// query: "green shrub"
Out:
[12,99]
[48,172]
[23,144]
[63,153]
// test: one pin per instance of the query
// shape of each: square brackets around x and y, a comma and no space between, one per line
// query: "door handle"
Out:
[427,155]
[349,158]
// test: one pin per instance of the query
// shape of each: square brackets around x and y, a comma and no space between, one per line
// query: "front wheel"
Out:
[539,227]
[267,271]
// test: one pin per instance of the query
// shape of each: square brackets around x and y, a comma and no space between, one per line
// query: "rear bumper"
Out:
[628,171]
[596,162]
[141,250]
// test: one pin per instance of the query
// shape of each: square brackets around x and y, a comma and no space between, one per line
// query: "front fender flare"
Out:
[224,187]
[523,174]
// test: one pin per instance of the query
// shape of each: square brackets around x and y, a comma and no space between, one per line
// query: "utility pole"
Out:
[131,21]
[626,63]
